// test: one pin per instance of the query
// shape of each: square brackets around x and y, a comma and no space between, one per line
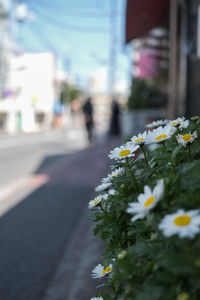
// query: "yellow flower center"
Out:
[106,270]
[97,201]
[174,123]
[186,137]
[183,296]
[114,175]
[124,152]
[162,136]
[149,201]
[139,140]
[183,220]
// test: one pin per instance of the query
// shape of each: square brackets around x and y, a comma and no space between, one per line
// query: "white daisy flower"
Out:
[157,123]
[114,173]
[139,139]
[106,179]
[105,196]
[160,134]
[96,298]
[99,271]
[95,202]
[111,192]
[180,123]
[183,223]
[146,201]
[103,186]
[123,151]
[186,139]
[117,172]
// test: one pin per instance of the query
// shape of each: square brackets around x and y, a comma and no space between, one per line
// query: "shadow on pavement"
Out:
[34,234]
[49,161]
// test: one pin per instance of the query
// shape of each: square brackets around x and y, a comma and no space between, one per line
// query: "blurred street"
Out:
[23,154]
[47,248]
[77,79]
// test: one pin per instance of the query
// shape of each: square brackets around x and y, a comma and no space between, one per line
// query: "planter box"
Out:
[133,122]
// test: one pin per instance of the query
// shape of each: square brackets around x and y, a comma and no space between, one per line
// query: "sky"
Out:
[79,33]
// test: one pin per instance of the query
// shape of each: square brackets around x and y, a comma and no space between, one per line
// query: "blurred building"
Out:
[180,49]
[4,44]
[97,84]
[147,32]
[28,105]
[185,57]
[98,90]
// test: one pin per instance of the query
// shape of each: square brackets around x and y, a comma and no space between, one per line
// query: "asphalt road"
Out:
[39,219]
[23,155]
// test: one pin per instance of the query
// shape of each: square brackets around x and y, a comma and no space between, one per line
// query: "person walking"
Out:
[88,118]
[114,129]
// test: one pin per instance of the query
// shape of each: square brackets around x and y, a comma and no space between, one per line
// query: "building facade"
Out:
[182,18]
[29,105]
[192,11]
[4,44]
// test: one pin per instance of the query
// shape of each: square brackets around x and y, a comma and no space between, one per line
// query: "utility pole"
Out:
[13,23]
[113,47]
[171,109]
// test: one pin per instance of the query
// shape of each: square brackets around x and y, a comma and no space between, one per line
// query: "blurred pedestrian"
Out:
[88,118]
[114,129]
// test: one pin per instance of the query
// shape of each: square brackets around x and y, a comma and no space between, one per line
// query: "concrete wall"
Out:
[133,122]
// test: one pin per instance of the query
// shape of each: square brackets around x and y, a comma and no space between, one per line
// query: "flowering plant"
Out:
[150,224]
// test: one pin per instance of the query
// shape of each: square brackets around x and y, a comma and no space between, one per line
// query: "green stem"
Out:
[145,156]
[197,129]
[178,129]
[169,156]
[132,174]
[103,210]
[189,151]
[198,133]
[149,267]
[158,172]
[113,287]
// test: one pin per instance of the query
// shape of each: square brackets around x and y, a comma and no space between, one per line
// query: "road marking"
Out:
[39,180]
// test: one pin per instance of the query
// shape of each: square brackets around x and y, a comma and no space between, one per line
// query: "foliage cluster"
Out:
[68,93]
[147,265]
[143,95]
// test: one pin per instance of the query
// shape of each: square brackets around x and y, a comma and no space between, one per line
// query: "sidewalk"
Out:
[47,248]
[72,279]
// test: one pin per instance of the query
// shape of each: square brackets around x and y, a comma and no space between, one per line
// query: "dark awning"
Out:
[143,15]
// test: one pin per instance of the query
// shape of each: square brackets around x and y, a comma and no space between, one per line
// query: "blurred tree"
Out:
[144,95]
[68,93]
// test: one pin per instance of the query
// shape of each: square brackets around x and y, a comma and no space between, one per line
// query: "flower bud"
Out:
[122,254]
